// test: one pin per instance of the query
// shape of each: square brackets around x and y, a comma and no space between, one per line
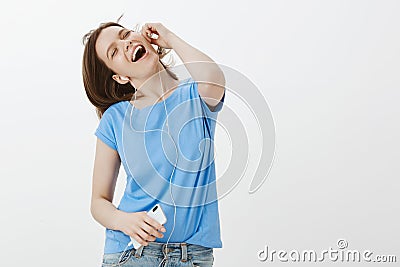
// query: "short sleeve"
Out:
[210,113]
[209,116]
[105,130]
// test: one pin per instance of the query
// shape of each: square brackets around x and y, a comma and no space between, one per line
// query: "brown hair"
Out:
[101,89]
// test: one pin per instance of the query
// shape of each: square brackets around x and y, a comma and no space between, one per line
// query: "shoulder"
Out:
[115,109]
[196,94]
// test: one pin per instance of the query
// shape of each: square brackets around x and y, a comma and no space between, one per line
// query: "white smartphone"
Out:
[157,214]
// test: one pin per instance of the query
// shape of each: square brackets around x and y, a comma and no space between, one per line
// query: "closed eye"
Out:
[123,37]
[126,34]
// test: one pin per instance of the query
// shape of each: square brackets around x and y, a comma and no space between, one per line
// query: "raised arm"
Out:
[200,66]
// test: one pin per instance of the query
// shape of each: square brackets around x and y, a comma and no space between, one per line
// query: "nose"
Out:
[127,45]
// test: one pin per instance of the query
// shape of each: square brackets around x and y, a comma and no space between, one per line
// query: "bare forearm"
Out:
[105,213]
[200,66]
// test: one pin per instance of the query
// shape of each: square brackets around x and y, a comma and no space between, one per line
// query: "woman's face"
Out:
[116,46]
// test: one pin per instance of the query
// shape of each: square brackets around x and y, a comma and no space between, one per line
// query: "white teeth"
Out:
[134,52]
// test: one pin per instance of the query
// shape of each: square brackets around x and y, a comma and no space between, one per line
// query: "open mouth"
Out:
[139,52]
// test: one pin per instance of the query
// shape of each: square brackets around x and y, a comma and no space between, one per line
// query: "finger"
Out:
[148,234]
[149,229]
[153,30]
[154,223]
[145,236]
[139,239]
[155,42]
[148,28]
[150,37]
[151,26]
[145,34]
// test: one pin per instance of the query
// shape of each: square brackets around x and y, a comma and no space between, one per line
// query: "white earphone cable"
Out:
[166,114]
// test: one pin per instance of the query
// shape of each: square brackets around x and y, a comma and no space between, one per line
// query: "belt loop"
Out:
[138,252]
[184,252]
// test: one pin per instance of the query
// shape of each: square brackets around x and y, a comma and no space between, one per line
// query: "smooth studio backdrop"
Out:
[328,69]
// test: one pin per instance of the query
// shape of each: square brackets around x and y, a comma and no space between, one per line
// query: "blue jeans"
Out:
[158,254]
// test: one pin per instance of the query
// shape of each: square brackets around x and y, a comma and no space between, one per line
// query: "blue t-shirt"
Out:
[149,159]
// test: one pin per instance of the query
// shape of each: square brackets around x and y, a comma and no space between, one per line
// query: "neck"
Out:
[157,85]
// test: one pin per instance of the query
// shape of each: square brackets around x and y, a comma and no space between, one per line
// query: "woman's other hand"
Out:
[140,226]
[163,34]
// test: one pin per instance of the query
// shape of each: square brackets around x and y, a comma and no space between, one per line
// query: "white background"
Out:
[328,69]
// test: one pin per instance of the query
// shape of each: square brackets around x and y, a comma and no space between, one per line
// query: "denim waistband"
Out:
[182,251]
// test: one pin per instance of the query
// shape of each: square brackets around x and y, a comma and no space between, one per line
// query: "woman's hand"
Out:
[164,35]
[140,226]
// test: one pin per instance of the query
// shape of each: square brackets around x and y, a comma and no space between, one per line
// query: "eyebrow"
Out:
[119,35]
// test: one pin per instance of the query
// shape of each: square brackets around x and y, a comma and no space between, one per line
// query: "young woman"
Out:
[130,87]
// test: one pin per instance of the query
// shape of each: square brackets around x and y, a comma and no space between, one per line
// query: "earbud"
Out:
[124,78]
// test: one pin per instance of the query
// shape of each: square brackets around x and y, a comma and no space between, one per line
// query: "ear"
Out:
[120,79]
